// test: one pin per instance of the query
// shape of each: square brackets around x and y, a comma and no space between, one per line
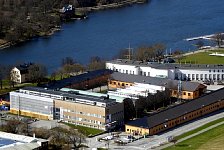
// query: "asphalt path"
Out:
[156,141]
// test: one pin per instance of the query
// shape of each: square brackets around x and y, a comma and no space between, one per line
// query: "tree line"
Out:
[144,53]
[38,73]
[21,20]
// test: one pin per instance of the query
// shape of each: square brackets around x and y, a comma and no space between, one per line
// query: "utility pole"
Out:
[179,90]
[130,52]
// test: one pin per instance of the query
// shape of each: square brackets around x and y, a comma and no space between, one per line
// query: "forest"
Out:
[21,20]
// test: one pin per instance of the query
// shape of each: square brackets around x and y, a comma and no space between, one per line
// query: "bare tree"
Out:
[96,63]
[12,126]
[37,72]
[219,39]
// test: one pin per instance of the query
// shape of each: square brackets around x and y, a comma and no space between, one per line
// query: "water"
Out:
[105,33]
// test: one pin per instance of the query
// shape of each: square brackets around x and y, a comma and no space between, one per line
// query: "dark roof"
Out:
[77,79]
[166,65]
[168,83]
[70,95]
[180,110]
[141,122]
[23,68]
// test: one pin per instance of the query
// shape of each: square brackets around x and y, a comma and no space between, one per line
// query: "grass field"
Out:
[204,58]
[199,129]
[210,140]
[85,130]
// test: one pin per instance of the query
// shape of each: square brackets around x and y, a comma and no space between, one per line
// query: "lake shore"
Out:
[6,44]
[112,5]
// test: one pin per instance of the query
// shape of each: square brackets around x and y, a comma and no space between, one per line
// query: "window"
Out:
[140,72]
[214,70]
[197,76]
[184,93]
[127,129]
[148,73]
[209,70]
[214,76]
[189,94]
[218,76]
[210,76]
[193,76]
[127,71]
[201,76]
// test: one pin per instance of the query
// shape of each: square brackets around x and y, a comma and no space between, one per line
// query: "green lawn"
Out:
[212,139]
[6,88]
[199,129]
[85,130]
[204,58]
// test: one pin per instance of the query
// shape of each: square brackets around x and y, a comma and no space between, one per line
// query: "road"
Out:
[155,141]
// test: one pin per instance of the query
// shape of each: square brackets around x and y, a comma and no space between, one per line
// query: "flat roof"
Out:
[117,98]
[75,96]
[180,110]
[168,83]
[166,65]
[16,141]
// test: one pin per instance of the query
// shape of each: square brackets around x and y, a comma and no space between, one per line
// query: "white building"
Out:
[194,72]
[19,74]
[9,141]
[137,90]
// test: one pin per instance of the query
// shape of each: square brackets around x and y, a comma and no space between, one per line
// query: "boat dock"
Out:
[207,37]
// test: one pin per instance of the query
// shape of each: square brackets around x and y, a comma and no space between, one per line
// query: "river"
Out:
[106,32]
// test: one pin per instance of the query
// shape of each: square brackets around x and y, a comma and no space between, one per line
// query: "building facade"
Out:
[135,85]
[194,72]
[32,103]
[177,115]
[91,111]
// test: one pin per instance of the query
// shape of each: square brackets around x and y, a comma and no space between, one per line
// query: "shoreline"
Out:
[112,5]
[86,9]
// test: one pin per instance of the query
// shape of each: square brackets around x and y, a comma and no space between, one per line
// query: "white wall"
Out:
[169,73]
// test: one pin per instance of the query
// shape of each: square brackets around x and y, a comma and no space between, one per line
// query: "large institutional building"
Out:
[172,71]
[72,107]
[177,115]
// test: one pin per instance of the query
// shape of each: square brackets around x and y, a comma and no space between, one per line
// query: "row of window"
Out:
[206,76]
[216,70]
[83,113]
[83,120]
[120,84]
[190,116]
[185,93]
